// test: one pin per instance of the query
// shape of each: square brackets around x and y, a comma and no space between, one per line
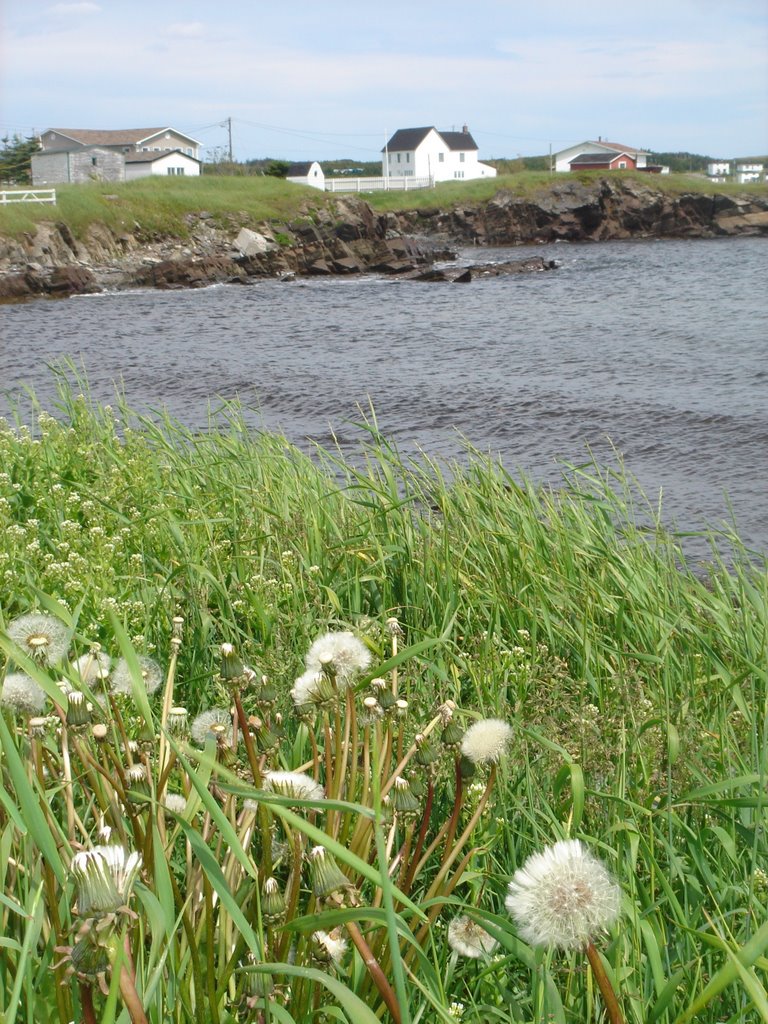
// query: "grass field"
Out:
[159,205]
[628,695]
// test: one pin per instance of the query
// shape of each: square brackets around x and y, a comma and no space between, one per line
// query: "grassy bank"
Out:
[634,689]
[160,205]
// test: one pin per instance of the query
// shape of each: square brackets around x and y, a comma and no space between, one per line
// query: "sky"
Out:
[331,79]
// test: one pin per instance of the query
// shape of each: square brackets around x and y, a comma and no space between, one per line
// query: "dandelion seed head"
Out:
[93,667]
[331,946]
[307,688]
[204,723]
[343,651]
[562,896]
[42,637]
[22,694]
[294,784]
[467,938]
[122,680]
[176,803]
[486,741]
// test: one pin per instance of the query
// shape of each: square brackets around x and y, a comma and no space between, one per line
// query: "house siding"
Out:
[172,163]
[77,167]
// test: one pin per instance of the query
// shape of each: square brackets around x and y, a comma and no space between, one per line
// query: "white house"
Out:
[605,155]
[307,173]
[139,165]
[718,170]
[428,153]
[745,173]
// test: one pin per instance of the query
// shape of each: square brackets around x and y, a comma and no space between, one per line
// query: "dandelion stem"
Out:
[253,760]
[86,1004]
[604,984]
[424,827]
[374,969]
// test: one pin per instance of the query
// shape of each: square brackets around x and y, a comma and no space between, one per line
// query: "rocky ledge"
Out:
[346,236]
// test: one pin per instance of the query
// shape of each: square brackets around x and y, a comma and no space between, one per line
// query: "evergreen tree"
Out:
[16,159]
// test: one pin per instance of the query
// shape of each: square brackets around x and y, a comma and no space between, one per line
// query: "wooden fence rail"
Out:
[28,195]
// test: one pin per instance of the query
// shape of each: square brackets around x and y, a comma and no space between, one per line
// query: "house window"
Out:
[461,158]
[441,158]
[407,158]
[622,165]
[398,158]
[93,161]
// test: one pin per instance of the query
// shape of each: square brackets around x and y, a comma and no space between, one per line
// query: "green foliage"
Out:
[277,169]
[637,688]
[16,159]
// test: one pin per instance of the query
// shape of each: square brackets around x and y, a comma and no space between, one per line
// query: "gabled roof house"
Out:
[307,172]
[428,153]
[601,155]
[78,155]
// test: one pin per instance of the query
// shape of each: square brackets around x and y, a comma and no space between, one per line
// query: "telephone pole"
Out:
[229,131]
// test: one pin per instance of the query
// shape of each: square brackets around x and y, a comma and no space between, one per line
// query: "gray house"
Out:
[79,155]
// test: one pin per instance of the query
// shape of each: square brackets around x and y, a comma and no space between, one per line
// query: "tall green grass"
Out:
[636,688]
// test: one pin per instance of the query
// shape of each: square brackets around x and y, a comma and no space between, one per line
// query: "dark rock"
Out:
[72,281]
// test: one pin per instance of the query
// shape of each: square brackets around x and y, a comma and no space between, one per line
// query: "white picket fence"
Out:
[28,195]
[391,184]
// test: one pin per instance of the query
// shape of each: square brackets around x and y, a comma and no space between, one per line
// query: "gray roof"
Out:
[599,158]
[300,169]
[411,138]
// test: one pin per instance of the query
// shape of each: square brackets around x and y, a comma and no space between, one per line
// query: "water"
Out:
[656,350]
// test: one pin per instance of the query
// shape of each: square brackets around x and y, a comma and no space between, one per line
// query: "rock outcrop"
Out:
[347,236]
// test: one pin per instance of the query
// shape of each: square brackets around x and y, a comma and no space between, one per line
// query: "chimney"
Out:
[465,129]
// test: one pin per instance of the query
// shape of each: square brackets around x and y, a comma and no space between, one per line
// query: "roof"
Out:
[301,169]
[149,156]
[618,146]
[598,158]
[458,140]
[412,138]
[116,137]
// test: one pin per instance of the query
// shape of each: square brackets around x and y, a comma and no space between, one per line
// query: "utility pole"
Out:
[229,130]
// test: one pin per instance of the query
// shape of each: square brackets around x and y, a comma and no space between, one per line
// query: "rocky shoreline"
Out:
[348,236]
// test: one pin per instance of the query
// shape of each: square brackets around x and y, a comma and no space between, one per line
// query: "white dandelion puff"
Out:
[467,938]
[344,652]
[204,722]
[486,741]
[93,667]
[176,803]
[330,946]
[21,693]
[122,679]
[308,688]
[563,897]
[298,785]
[42,637]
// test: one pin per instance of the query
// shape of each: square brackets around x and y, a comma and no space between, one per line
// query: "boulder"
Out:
[251,243]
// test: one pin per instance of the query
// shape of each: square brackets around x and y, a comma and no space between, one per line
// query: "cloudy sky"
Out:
[332,78]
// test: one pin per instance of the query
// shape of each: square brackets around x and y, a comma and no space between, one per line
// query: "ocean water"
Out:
[655,352]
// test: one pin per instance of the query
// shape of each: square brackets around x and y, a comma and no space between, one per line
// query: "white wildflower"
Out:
[42,637]
[294,784]
[467,938]
[21,693]
[176,803]
[562,897]
[486,741]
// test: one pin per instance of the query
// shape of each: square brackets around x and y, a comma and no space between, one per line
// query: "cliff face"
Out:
[348,237]
[603,210]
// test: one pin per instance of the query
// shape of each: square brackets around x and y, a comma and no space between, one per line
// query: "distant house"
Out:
[601,155]
[748,172]
[718,170]
[307,173]
[428,153]
[83,154]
